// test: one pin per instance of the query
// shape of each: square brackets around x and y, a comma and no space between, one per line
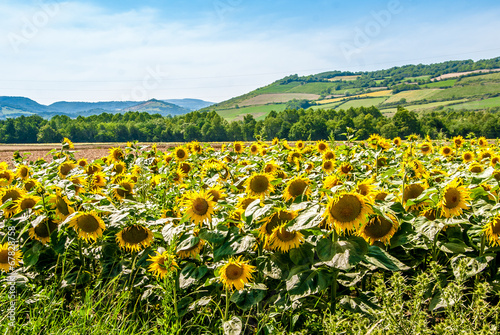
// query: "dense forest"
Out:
[292,124]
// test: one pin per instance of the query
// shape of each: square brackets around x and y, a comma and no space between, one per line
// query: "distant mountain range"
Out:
[18,106]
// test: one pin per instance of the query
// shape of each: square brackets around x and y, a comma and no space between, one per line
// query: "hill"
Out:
[454,84]
[22,106]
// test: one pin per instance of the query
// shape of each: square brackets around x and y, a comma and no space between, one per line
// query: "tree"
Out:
[47,134]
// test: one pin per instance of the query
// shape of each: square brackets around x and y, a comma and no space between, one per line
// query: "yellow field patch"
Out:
[365,95]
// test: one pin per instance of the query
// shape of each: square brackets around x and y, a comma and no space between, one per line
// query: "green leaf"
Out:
[348,253]
[307,219]
[183,305]
[188,243]
[466,267]
[234,246]
[190,274]
[233,326]
[454,246]
[381,259]
[325,249]
[247,298]
[213,236]
[308,282]
[30,257]
[302,255]
[359,304]
[428,228]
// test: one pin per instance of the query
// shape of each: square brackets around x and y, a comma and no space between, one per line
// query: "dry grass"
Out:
[264,99]
[382,93]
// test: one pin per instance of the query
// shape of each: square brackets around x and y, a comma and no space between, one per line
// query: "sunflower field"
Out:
[385,236]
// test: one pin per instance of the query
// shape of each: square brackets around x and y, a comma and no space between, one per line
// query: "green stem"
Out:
[483,242]
[333,307]
[227,305]
[176,282]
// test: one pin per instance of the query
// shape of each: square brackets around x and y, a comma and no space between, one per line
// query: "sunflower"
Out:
[294,156]
[192,251]
[199,206]
[30,184]
[88,225]
[331,181]
[380,229]
[185,167]
[82,162]
[271,168]
[6,177]
[396,141]
[285,240]
[300,144]
[446,151]
[65,168]
[259,185]
[347,212]
[412,137]
[62,205]
[217,193]
[426,148]
[43,230]
[125,189]
[476,168]
[328,166]
[484,155]
[380,195]
[116,154]
[298,186]
[9,257]
[236,273]
[492,230]
[373,141]
[27,201]
[413,191]
[93,168]
[254,148]
[468,156]
[181,154]
[279,218]
[98,180]
[431,213]
[238,147]
[275,141]
[365,188]
[328,155]
[496,175]
[458,141]
[23,172]
[454,199]
[119,167]
[11,194]
[482,141]
[243,203]
[321,146]
[495,160]
[162,264]
[134,238]
[345,169]
[66,142]
[235,219]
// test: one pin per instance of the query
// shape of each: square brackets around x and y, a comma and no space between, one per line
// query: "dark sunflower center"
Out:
[118,154]
[447,151]
[495,160]
[245,203]
[485,155]
[66,169]
[412,191]
[381,196]
[378,227]
[327,165]
[495,226]
[62,206]
[11,195]
[180,153]
[87,223]
[426,148]
[119,169]
[23,172]
[363,189]
[4,257]
[29,185]
[272,224]
[185,167]
[237,147]
[27,203]
[297,188]
[269,168]
[41,229]
[452,198]
[321,146]
[346,168]
[5,175]
[329,155]
[135,234]
[430,214]
[347,208]
[496,175]
[284,235]
[215,195]
[467,156]
[259,184]
[234,272]
[254,148]
[92,169]
[125,189]
[476,169]
[200,206]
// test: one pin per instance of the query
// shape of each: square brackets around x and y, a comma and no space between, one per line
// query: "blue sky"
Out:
[217,49]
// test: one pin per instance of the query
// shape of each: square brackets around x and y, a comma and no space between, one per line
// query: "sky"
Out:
[217,49]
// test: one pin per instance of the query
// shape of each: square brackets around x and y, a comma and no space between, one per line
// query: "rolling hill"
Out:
[450,85]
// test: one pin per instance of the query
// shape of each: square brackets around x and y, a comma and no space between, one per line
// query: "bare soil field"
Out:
[90,151]
[264,99]
[458,74]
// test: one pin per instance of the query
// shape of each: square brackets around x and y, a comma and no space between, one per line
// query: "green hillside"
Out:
[466,85]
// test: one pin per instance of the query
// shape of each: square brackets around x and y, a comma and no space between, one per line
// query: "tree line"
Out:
[292,124]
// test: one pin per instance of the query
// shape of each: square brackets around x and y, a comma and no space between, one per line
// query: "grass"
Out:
[410,96]
[455,92]
[313,88]
[441,83]
[259,111]
[263,99]
[362,103]
[381,93]
[478,105]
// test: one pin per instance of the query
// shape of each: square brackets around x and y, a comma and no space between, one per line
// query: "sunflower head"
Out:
[163,264]
[379,229]
[116,154]
[458,141]
[365,188]
[65,168]
[23,172]
[254,149]
[43,230]
[482,141]
[298,186]
[446,151]
[181,154]
[119,167]
[347,211]
[284,240]
[199,206]
[30,184]
[259,185]
[26,202]
[396,141]
[82,162]
[236,273]
[192,251]
[328,155]
[321,146]
[328,166]
[238,147]
[67,144]
[345,169]
[468,156]
[492,230]
[454,199]
[217,193]
[413,191]
[426,148]
[279,218]
[124,190]
[134,238]
[243,203]
[12,194]
[88,225]
[300,144]
[476,168]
